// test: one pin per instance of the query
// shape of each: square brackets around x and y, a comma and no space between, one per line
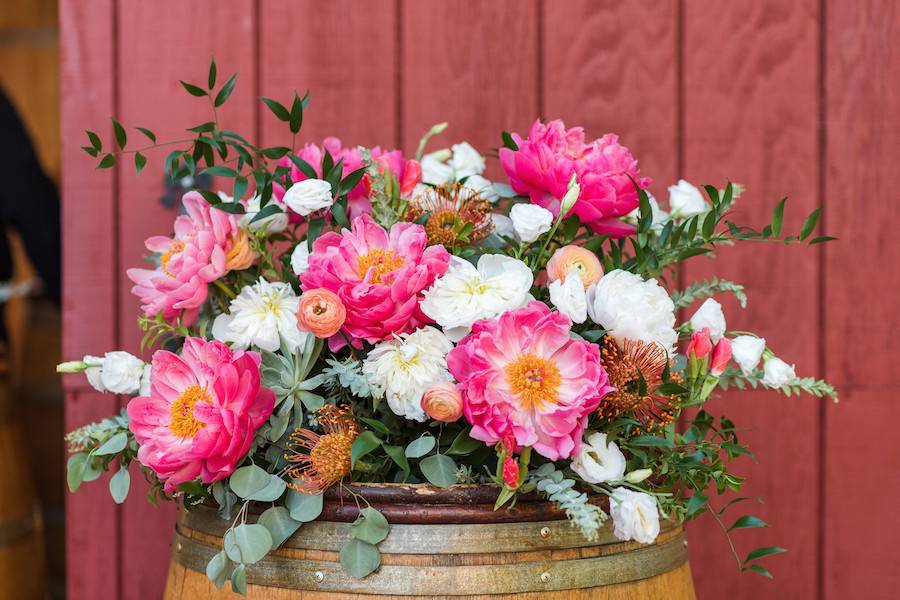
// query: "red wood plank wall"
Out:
[795,97]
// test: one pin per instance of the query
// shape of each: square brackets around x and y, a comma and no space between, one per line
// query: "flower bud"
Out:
[412,175]
[321,313]
[571,196]
[509,442]
[638,475]
[442,402]
[700,345]
[720,357]
[511,472]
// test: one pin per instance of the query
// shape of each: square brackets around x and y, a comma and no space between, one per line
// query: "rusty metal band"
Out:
[532,576]
[437,539]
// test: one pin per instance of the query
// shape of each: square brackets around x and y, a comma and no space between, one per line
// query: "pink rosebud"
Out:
[442,402]
[720,357]
[509,442]
[700,345]
[412,175]
[511,472]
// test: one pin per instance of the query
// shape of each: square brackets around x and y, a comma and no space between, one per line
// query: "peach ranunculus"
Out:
[241,255]
[442,402]
[575,259]
[321,312]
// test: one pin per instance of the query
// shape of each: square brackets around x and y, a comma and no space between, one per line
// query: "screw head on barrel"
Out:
[319,576]
[545,532]
[545,577]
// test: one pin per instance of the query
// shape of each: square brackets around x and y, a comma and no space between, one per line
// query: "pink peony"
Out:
[202,412]
[378,276]
[522,373]
[198,254]
[545,162]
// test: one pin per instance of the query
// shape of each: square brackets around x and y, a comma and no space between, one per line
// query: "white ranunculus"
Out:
[407,366]
[93,371]
[530,221]
[145,381]
[634,515]
[777,373]
[121,372]
[685,200]
[746,350]
[598,461]
[569,297]
[435,171]
[308,196]
[466,161]
[659,215]
[630,308]
[710,316]
[272,224]
[300,258]
[466,293]
[483,187]
[261,315]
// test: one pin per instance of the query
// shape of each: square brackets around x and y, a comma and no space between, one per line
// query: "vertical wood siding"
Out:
[786,97]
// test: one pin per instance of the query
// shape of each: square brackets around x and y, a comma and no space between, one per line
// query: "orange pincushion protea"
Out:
[321,460]
[447,209]
[626,366]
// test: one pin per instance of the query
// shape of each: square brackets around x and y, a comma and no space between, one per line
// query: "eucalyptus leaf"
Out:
[272,492]
[219,569]
[248,480]
[364,443]
[119,484]
[113,445]
[359,558]
[304,507]
[75,471]
[247,544]
[420,447]
[239,580]
[279,523]
[370,526]
[463,444]
[439,470]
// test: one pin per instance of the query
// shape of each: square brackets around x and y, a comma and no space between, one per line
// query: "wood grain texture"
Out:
[750,115]
[862,147]
[473,65]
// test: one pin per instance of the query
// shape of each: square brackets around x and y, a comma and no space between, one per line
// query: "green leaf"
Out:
[397,455]
[203,127]
[509,142]
[761,552]
[193,90]
[650,441]
[370,526]
[820,239]
[109,160]
[275,152]
[277,520]
[267,211]
[239,580]
[351,180]
[240,186]
[305,168]
[304,507]
[247,544]
[748,522]
[364,443]
[439,470]
[463,444]
[375,424]
[113,445]
[761,570]
[295,120]
[277,109]
[219,171]
[211,80]
[140,161]
[777,218]
[226,90]
[119,132]
[248,480]
[709,224]
[420,447]
[217,569]
[696,502]
[359,558]
[810,223]
[119,484]
[671,389]
[90,150]
[95,140]
[75,467]
[271,492]
[150,135]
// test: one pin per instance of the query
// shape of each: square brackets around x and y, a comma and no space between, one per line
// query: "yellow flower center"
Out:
[330,458]
[176,247]
[184,424]
[382,261]
[534,379]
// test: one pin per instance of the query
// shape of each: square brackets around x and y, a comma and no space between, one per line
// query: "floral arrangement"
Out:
[351,314]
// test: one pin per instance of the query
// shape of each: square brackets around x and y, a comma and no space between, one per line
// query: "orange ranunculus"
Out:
[574,259]
[239,255]
[321,312]
[442,402]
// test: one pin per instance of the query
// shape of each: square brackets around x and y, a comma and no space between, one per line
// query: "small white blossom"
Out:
[300,258]
[598,461]
[710,316]
[777,373]
[503,226]
[483,187]
[121,372]
[530,221]
[93,370]
[261,315]
[435,171]
[145,381]
[569,297]
[658,215]
[466,161]
[746,351]
[272,224]
[686,201]
[634,515]
[308,196]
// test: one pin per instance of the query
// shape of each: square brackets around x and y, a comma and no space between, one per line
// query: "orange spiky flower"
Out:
[626,366]
[448,210]
[321,460]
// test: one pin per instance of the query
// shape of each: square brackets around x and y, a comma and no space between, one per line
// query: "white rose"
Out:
[121,372]
[530,221]
[300,258]
[710,316]
[630,308]
[466,161]
[482,187]
[777,373]
[598,461]
[435,171]
[503,226]
[659,215]
[746,350]
[570,298]
[308,196]
[145,381]
[634,515]
[272,224]
[685,200]
[93,371]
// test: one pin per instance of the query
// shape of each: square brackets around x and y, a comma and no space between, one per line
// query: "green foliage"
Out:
[360,555]
[561,491]
[706,289]
[439,469]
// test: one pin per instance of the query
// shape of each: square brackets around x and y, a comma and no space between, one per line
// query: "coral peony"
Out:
[202,412]
[207,244]
[546,161]
[522,373]
[379,276]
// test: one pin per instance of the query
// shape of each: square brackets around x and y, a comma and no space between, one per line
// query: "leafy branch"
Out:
[706,289]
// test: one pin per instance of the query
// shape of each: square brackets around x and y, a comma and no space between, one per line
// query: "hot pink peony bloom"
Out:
[545,162]
[202,412]
[378,276]
[198,254]
[522,373]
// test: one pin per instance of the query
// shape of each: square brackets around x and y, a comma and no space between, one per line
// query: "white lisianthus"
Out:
[630,308]
[710,316]
[530,221]
[686,201]
[308,196]
[93,370]
[746,351]
[569,297]
[634,515]
[503,226]
[659,215]
[405,367]
[466,161]
[638,475]
[466,293]
[435,171]
[598,461]
[261,315]
[482,187]
[272,224]
[777,373]
[121,372]
[145,381]
[300,258]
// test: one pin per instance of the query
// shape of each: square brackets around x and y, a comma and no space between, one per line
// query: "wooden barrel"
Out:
[443,543]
